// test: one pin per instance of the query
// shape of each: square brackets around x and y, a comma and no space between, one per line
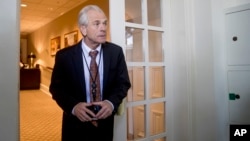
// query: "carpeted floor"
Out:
[40,117]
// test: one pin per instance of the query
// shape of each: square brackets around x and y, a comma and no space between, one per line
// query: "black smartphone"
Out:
[95,108]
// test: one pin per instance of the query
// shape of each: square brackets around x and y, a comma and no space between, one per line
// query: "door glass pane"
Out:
[136,122]
[136,75]
[133,11]
[156,82]
[161,139]
[134,50]
[157,118]
[155,46]
[154,12]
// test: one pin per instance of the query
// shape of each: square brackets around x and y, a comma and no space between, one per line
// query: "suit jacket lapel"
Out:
[106,63]
[78,65]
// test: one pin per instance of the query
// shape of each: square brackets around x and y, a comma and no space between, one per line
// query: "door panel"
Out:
[239,84]
[238,63]
[238,37]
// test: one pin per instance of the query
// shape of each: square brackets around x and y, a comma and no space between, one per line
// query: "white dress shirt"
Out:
[99,62]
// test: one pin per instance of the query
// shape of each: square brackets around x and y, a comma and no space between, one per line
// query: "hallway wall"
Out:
[39,41]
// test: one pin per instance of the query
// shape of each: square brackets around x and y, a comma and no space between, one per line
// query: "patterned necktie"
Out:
[94,77]
[94,80]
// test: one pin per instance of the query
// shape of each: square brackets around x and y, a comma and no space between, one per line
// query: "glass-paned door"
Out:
[144,49]
[138,26]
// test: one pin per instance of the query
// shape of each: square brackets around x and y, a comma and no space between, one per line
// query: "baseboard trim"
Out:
[45,89]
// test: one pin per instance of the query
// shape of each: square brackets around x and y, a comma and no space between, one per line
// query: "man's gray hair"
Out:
[83,14]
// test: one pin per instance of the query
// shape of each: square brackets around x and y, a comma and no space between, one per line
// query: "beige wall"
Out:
[39,41]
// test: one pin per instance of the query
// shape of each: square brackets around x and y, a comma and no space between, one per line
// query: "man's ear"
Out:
[83,30]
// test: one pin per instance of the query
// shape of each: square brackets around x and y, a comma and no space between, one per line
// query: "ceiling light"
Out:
[24,5]
[50,9]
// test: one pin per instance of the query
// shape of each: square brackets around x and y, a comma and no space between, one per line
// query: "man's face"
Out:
[95,31]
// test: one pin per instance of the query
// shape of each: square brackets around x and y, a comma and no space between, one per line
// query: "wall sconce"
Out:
[31,58]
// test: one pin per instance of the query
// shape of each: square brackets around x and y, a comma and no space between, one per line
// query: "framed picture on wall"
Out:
[70,38]
[55,45]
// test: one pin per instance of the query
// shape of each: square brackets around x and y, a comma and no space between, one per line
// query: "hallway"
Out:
[40,117]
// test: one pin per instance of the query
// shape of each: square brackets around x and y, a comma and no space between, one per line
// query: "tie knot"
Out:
[93,54]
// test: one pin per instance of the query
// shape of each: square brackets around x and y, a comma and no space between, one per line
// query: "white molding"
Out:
[117,36]
[45,89]
[190,57]
[237,8]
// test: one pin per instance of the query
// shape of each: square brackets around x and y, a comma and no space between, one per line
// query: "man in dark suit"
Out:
[84,117]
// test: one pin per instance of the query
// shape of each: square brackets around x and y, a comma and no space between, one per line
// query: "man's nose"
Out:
[103,27]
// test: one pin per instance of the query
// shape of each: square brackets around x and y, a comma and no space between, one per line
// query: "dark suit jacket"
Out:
[68,88]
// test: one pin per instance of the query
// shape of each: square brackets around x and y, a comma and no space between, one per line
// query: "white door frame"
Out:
[117,36]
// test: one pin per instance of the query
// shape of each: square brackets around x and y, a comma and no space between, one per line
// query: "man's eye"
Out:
[96,24]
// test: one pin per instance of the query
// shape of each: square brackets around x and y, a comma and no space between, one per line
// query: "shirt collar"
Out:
[87,49]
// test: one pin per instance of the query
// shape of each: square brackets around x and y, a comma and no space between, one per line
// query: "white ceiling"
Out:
[40,12]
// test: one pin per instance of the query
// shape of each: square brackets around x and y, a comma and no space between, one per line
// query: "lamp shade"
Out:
[31,55]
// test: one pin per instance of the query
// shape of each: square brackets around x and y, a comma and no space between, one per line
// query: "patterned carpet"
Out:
[40,117]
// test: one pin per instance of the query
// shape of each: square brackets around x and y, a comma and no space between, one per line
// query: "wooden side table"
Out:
[30,78]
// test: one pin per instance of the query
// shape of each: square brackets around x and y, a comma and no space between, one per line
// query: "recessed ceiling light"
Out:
[50,9]
[24,5]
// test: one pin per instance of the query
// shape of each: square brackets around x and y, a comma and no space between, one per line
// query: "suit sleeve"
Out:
[120,82]
[60,89]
